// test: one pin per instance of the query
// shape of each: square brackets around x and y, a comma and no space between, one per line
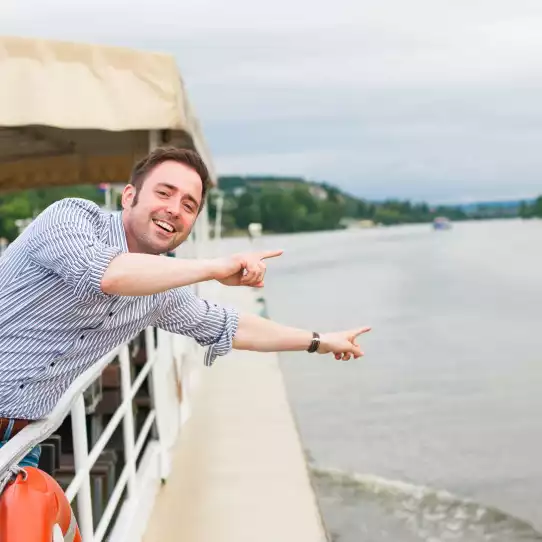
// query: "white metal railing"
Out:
[169,359]
[172,361]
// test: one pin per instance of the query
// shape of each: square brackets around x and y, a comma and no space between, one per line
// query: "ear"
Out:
[128,195]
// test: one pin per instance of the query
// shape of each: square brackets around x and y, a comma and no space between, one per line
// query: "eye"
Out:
[162,194]
[189,207]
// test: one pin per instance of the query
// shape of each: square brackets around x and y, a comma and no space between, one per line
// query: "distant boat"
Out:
[442,223]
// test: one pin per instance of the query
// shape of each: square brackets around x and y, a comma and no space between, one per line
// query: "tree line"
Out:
[531,210]
[281,205]
[285,206]
[297,210]
[29,203]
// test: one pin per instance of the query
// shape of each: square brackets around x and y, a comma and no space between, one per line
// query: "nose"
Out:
[174,208]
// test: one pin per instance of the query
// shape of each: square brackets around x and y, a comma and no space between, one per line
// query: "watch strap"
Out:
[315,343]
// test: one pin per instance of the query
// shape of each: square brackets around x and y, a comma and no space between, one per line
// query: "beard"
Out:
[148,239]
[152,245]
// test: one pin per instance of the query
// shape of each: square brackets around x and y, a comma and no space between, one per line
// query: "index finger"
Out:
[269,254]
[360,331]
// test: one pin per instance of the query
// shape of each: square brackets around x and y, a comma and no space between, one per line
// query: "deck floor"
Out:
[239,472]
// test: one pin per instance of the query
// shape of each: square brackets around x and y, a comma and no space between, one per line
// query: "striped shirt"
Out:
[55,321]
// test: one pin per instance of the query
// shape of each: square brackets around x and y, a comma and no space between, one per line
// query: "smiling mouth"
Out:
[163,225]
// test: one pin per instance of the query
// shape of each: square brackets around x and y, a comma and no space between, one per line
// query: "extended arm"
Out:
[224,328]
[145,274]
[262,335]
[66,240]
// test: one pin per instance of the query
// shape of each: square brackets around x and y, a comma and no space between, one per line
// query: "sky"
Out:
[429,100]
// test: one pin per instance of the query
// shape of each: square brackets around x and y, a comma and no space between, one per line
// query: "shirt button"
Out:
[52,364]
[21,386]
[110,314]
[82,337]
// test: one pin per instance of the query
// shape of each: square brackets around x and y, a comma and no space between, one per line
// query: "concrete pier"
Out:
[239,472]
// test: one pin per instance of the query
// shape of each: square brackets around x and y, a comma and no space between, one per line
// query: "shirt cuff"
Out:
[224,344]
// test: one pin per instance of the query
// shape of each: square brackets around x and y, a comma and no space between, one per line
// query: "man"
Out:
[80,281]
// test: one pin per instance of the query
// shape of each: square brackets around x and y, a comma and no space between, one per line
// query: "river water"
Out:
[436,434]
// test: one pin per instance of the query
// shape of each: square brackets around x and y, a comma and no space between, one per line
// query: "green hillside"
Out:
[280,204]
[290,204]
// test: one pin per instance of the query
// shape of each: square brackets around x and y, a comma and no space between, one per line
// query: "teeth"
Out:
[164,225]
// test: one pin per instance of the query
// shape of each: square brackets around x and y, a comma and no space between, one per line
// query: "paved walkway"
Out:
[239,472]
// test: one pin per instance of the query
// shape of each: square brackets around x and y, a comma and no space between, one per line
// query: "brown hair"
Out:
[187,157]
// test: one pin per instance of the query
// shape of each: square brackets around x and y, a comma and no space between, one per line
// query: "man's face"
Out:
[161,215]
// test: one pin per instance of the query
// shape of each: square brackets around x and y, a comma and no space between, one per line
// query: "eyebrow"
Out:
[170,186]
[175,189]
[192,199]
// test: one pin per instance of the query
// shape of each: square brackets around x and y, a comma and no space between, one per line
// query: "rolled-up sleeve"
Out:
[65,239]
[209,324]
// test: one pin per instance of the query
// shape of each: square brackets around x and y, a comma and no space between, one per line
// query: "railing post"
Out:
[154,353]
[80,451]
[128,420]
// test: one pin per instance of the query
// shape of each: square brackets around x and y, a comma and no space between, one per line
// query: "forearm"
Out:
[132,274]
[262,335]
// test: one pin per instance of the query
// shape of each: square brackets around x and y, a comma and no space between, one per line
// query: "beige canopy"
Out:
[74,113]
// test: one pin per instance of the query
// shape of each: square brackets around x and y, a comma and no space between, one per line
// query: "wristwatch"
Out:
[315,343]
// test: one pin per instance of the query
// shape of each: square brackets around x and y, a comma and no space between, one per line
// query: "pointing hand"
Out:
[247,269]
[342,343]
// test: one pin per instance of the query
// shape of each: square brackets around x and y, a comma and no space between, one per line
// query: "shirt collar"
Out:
[117,235]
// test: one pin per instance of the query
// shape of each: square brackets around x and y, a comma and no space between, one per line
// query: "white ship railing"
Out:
[172,361]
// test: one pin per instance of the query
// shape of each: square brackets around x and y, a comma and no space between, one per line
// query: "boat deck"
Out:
[239,471]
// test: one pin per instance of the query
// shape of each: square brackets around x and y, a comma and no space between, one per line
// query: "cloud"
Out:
[426,99]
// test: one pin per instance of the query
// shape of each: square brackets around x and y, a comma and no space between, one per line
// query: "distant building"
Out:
[318,192]
[348,222]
